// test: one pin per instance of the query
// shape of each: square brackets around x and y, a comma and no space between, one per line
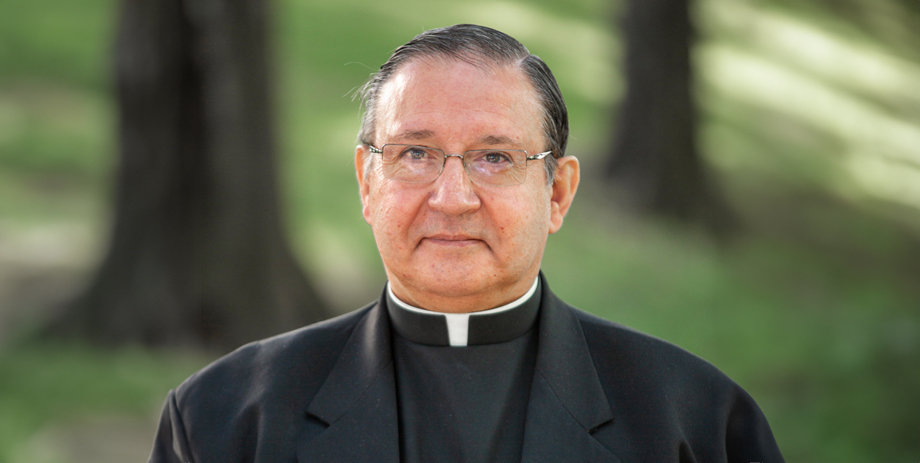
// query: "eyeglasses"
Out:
[421,164]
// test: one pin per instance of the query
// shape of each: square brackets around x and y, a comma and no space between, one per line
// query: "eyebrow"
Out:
[495,140]
[415,135]
[489,140]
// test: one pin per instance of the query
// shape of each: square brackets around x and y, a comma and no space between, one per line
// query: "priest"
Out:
[467,356]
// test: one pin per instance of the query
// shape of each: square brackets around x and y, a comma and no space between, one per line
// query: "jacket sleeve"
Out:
[748,437]
[171,444]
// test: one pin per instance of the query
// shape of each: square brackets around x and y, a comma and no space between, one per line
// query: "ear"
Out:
[564,187]
[361,152]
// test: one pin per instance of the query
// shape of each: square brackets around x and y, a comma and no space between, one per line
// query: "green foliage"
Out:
[43,383]
[63,41]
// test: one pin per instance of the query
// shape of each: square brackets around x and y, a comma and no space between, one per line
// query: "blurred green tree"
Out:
[655,166]
[198,253]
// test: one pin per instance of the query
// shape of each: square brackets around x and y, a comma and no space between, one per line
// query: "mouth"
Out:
[452,240]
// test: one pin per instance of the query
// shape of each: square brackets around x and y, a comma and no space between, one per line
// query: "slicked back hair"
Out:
[482,47]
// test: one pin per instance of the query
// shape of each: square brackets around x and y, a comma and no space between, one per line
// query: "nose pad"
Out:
[446,171]
[459,158]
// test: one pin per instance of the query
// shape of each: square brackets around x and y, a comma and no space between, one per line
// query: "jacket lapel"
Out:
[354,415]
[567,402]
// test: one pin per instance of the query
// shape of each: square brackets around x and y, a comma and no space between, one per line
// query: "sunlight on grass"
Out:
[834,59]
[892,181]
[867,129]
[75,381]
[53,127]
[784,65]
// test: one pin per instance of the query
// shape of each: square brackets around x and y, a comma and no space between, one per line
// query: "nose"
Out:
[453,191]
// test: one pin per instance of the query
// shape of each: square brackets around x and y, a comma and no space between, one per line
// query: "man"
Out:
[467,356]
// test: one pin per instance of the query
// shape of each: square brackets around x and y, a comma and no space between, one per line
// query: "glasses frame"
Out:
[527,158]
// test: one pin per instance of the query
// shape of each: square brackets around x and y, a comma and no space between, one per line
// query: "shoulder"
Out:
[257,395]
[292,364]
[661,389]
[615,347]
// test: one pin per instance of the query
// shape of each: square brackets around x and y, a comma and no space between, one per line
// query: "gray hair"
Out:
[482,47]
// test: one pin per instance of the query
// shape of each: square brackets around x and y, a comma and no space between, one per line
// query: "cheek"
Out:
[520,222]
[391,211]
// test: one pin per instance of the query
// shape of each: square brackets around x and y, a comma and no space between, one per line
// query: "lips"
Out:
[452,240]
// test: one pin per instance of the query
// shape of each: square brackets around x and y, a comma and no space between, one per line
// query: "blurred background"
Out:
[176,178]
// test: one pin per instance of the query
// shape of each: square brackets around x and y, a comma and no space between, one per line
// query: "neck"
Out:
[461,304]
[501,308]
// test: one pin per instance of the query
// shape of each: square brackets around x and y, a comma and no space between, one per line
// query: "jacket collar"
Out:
[567,402]
[357,413]
[356,406]
[564,362]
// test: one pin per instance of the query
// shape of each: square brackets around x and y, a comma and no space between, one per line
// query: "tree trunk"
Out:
[198,253]
[654,164]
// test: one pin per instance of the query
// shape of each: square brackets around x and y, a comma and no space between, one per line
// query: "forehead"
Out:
[444,99]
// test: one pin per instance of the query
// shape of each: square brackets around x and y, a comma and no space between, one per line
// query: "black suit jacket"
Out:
[601,392]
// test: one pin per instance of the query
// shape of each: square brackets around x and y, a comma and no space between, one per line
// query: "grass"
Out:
[813,310]
[53,383]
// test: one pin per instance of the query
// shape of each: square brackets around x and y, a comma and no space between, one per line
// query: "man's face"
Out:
[451,245]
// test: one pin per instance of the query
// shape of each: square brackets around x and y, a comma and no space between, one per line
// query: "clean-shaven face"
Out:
[452,245]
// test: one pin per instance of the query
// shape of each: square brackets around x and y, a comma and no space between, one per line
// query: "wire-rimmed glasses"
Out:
[486,167]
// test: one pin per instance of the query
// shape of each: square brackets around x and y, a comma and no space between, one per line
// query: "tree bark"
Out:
[198,252]
[655,165]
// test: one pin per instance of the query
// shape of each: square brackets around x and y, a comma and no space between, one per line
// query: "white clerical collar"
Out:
[458,324]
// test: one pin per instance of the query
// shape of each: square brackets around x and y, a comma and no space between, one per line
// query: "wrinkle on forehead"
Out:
[415,135]
[488,140]
[399,92]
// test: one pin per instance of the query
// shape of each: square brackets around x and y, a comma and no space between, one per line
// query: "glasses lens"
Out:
[412,164]
[420,164]
[496,167]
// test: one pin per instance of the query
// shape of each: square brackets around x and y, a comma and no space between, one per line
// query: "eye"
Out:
[496,157]
[415,153]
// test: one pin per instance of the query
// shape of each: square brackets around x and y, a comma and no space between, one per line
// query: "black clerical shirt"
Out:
[463,380]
